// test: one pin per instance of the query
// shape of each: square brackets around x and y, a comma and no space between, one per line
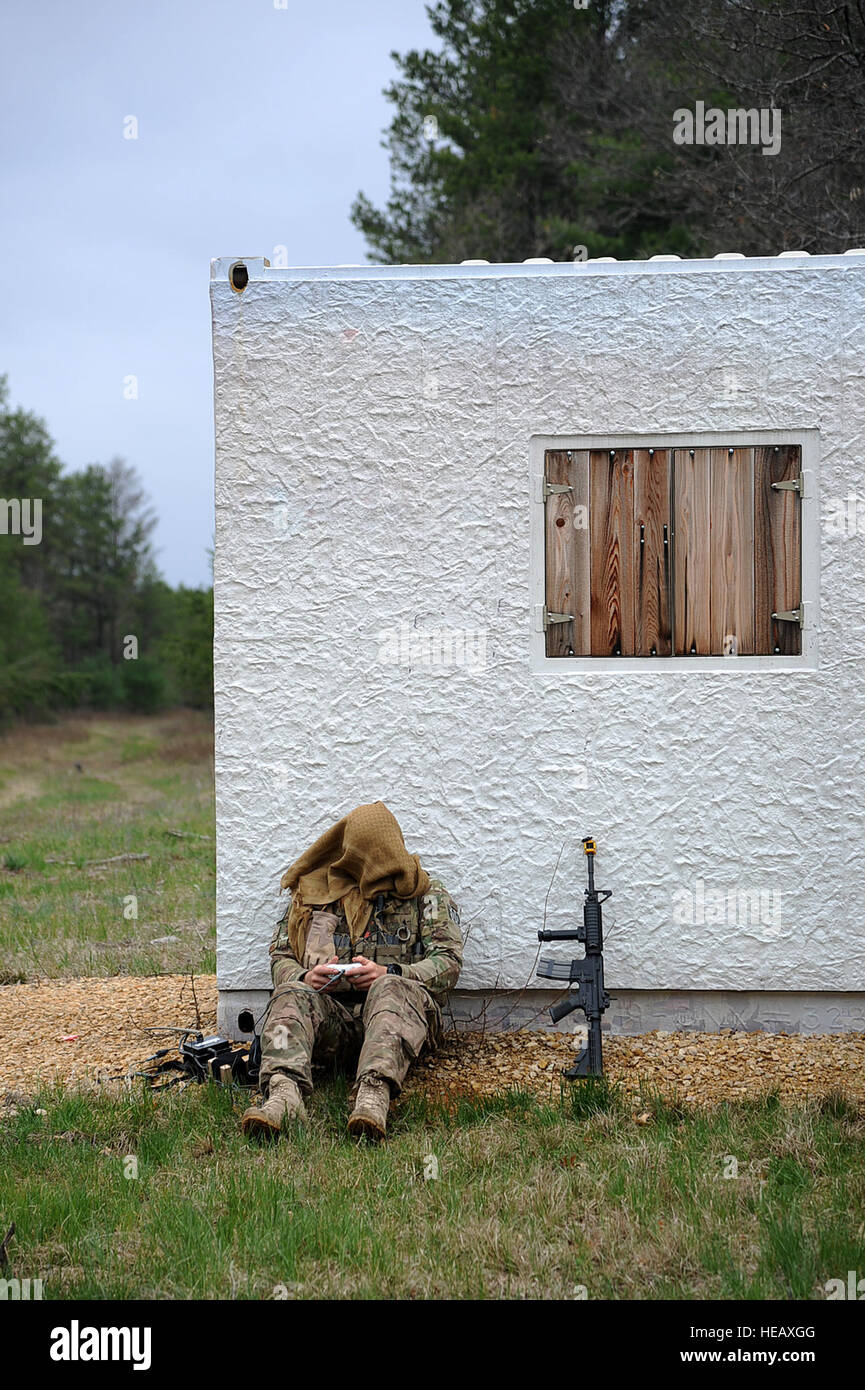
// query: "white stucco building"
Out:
[383,553]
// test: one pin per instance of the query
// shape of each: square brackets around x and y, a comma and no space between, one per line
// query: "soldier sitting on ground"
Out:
[359,898]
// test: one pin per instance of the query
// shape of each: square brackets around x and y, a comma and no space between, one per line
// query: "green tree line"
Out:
[545,128]
[85,618]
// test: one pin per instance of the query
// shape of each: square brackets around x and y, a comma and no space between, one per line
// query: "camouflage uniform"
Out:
[388,1024]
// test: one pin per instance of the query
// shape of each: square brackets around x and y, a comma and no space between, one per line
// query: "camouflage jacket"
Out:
[421,935]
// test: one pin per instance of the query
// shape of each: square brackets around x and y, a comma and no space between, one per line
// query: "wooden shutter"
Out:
[567,551]
[737,551]
[687,551]
[607,528]
[777,548]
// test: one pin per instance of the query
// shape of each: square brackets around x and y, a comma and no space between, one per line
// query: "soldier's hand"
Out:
[362,979]
[319,977]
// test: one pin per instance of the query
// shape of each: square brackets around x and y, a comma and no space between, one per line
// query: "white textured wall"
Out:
[373,434]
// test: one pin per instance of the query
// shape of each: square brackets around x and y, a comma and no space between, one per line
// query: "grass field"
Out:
[129,1195]
[92,789]
[137,1197]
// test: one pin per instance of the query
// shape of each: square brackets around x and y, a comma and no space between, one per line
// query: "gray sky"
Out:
[256,128]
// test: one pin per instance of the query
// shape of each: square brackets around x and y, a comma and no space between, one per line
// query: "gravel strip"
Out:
[76,1031]
[699,1068]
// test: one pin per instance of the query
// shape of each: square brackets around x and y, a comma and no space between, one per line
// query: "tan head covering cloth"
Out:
[363,855]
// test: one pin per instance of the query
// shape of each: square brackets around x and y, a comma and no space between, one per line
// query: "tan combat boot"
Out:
[284,1102]
[369,1116]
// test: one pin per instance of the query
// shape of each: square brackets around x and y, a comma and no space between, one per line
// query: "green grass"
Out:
[532,1200]
[136,779]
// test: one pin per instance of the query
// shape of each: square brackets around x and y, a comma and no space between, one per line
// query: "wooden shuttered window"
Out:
[673,552]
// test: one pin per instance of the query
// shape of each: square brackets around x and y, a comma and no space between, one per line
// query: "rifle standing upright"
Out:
[586,975]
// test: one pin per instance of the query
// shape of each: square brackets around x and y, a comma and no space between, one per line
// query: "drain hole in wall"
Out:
[238,277]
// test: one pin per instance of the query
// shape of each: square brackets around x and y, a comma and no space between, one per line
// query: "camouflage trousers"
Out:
[383,1036]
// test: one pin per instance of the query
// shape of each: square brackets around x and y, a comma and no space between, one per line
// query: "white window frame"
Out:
[809,442]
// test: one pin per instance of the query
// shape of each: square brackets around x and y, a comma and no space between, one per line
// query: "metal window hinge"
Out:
[796,615]
[549,489]
[791,485]
[556,618]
